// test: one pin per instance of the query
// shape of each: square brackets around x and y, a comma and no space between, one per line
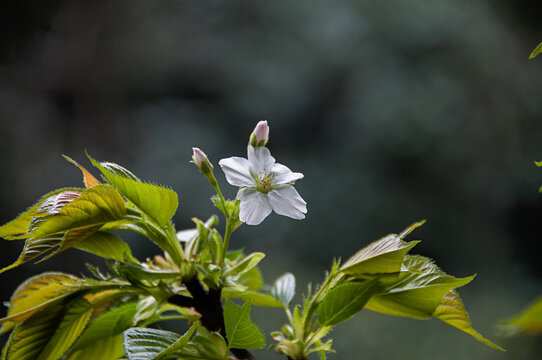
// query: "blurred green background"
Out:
[395,111]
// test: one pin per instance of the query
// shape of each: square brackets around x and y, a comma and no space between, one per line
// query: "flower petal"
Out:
[260,159]
[286,201]
[283,175]
[237,171]
[186,235]
[254,206]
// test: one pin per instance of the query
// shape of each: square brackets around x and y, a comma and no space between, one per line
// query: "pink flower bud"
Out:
[200,159]
[260,135]
[198,156]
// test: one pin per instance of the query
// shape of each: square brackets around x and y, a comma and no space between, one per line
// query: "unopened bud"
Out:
[260,134]
[200,159]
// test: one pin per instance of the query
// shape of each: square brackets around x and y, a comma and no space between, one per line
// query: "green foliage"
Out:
[417,291]
[536,51]
[146,344]
[384,256]
[111,323]
[37,293]
[157,202]
[240,330]
[108,348]
[345,301]
[106,245]
[452,312]
[383,278]
[154,344]
[94,206]
[528,321]
[28,339]
[73,322]
[82,215]
[21,224]
[57,316]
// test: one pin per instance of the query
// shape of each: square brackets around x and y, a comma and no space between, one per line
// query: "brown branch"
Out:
[209,305]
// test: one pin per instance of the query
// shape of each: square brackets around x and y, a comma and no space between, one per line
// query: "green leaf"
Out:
[241,332]
[417,291]
[21,224]
[79,218]
[35,247]
[37,293]
[536,51]
[252,279]
[157,202]
[30,337]
[284,289]
[207,345]
[108,324]
[380,257]
[88,179]
[106,245]
[451,311]
[72,238]
[528,321]
[245,265]
[178,345]
[143,272]
[254,297]
[108,348]
[146,344]
[97,205]
[344,301]
[74,321]
[538,163]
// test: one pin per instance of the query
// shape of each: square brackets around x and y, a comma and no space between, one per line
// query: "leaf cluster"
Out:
[109,316]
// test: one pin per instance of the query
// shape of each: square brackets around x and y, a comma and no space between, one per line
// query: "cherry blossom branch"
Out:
[209,305]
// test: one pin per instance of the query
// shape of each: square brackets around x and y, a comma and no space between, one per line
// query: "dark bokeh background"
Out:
[394,111]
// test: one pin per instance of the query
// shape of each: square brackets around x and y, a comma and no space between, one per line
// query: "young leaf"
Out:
[174,350]
[106,245]
[37,293]
[21,224]
[284,289]
[241,332]
[245,265]
[344,301]
[72,238]
[108,348]
[35,247]
[30,337]
[157,202]
[140,272]
[451,311]
[88,179]
[254,297]
[417,291]
[252,279]
[74,321]
[95,206]
[108,324]
[380,257]
[536,51]
[147,343]
[207,345]
[528,321]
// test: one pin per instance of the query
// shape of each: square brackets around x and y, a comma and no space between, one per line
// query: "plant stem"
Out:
[209,305]
[227,235]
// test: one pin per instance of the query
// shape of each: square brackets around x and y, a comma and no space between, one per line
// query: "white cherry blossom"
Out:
[264,186]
